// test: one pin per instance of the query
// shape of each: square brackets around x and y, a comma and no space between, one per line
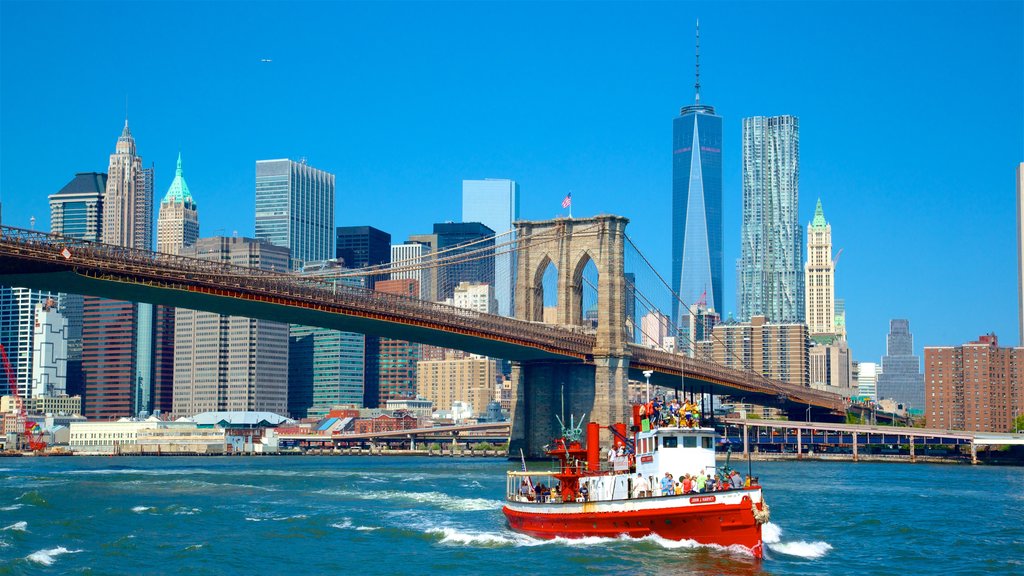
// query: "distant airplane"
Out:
[265,60]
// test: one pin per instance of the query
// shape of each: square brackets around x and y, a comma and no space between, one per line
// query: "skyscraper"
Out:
[820,299]
[697,205]
[230,362]
[494,202]
[178,222]
[76,211]
[770,272]
[18,308]
[457,240]
[362,246]
[295,209]
[117,337]
[49,351]
[412,254]
[901,377]
[398,358]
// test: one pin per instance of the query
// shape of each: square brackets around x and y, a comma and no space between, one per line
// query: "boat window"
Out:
[689,441]
[655,443]
[707,442]
[670,442]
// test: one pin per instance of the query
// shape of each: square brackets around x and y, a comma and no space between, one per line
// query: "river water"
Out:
[396,515]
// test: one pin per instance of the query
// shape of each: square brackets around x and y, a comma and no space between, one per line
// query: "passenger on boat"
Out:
[611,453]
[584,493]
[541,493]
[666,485]
[736,480]
[524,490]
[746,482]
[687,484]
[641,487]
[678,488]
[700,483]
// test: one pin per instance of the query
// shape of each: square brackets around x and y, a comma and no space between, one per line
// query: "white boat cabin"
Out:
[678,451]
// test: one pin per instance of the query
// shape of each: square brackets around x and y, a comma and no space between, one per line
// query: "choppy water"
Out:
[319,515]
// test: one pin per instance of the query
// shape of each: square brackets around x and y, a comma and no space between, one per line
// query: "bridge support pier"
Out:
[974,453]
[913,454]
[746,442]
[855,457]
[799,444]
[597,393]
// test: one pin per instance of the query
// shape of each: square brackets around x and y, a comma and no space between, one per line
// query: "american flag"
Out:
[567,201]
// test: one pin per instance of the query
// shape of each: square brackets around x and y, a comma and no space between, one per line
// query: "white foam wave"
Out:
[771,533]
[802,549]
[194,547]
[437,499]
[49,556]
[141,509]
[275,518]
[18,526]
[345,523]
[187,511]
[414,478]
[367,528]
[456,536]
[12,507]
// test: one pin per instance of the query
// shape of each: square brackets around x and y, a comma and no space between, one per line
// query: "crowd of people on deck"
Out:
[701,483]
[657,412]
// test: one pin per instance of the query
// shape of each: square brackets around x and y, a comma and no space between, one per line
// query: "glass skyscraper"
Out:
[696,206]
[295,209]
[460,238]
[770,271]
[494,202]
[901,378]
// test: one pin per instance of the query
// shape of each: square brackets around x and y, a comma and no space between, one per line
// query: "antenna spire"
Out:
[696,85]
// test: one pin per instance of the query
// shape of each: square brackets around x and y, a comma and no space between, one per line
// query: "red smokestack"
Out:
[593,446]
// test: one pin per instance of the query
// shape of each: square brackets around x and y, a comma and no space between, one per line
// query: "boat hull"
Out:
[722,521]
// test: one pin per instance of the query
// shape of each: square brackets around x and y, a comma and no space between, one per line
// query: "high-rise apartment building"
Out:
[177,225]
[49,351]
[118,337]
[901,377]
[830,367]
[820,276]
[397,358]
[77,211]
[494,202]
[230,362]
[977,386]
[407,260]
[325,367]
[776,350]
[770,272]
[469,249]
[445,382]
[475,296]
[697,205]
[295,209]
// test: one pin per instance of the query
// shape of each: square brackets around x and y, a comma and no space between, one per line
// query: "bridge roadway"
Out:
[51,262]
[501,428]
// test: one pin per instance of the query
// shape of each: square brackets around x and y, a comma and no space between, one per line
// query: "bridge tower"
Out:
[600,390]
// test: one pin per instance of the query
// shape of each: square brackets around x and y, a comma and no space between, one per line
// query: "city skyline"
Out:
[880,191]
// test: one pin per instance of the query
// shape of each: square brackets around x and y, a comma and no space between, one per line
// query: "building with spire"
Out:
[128,202]
[770,271]
[177,225]
[819,272]
[697,206]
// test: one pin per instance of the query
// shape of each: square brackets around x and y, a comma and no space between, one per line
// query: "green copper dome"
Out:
[178,192]
[819,216]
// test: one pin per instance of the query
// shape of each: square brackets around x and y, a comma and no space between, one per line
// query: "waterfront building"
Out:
[475,296]
[978,386]
[445,382]
[776,350]
[49,351]
[697,205]
[1020,253]
[421,408]
[398,358]
[117,336]
[18,308]
[325,367]
[819,271]
[56,404]
[76,211]
[178,221]
[901,377]
[494,202]
[230,362]
[867,380]
[410,255]
[455,241]
[770,273]
[295,209]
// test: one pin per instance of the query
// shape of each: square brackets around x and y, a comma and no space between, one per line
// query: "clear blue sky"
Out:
[912,121]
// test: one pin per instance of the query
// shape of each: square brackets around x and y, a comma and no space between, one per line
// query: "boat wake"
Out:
[346,523]
[18,526]
[772,536]
[435,499]
[49,556]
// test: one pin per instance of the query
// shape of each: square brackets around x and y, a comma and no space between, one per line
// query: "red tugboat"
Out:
[587,495]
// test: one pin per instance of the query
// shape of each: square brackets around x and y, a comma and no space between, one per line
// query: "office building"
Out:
[494,202]
[901,377]
[178,221]
[770,272]
[654,327]
[697,205]
[295,209]
[475,296]
[867,380]
[830,366]
[18,308]
[128,200]
[465,251]
[230,362]
[49,351]
[470,380]
[363,246]
[397,358]
[978,386]
[325,367]
[408,262]
[77,211]
[820,276]
[776,350]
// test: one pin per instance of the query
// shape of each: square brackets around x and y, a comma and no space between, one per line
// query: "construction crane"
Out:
[17,419]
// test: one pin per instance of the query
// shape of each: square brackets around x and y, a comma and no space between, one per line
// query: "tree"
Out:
[1018,423]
